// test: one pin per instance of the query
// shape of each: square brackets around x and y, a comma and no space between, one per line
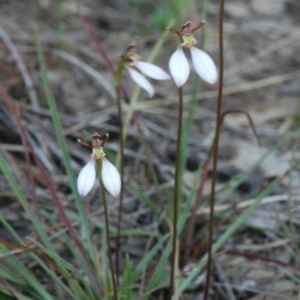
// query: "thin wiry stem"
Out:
[215,151]
[112,271]
[121,150]
[192,221]
[176,193]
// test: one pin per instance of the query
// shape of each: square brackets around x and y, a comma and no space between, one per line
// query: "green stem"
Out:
[176,192]
[187,131]
[120,158]
[121,153]
[215,152]
[99,169]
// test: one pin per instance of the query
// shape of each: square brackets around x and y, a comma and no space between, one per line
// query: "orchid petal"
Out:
[204,65]
[111,177]
[86,178]
[179,67]
[141,81]
[152,71]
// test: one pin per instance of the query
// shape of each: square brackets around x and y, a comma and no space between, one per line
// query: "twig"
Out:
[223,278]
[251,60]
[243,87]
[26,77]
[88,69]
[247,203]
[99,47]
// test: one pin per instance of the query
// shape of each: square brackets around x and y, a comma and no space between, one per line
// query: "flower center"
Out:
[98,153]
[188,41]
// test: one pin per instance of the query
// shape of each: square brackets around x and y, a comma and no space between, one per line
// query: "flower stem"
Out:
[121,153]
[190,118]
[176,193]
[215,151]
[99,169]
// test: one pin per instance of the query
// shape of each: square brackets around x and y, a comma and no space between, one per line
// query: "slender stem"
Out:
[215,151]
[112,271]
[190,118]
[121,153]
[176,193]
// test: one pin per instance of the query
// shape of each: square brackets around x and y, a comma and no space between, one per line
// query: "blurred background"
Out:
[262,71]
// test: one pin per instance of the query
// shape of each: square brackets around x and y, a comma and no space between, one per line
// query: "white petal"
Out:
[86,178]
[152,71]
[141,81]
[179,67]
[111,178]
[204,65]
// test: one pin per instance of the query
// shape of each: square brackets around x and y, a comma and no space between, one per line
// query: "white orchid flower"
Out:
[136,68]
[202,62]
[179,67]
[87,176]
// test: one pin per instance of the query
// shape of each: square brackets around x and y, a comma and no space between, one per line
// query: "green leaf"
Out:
[127,280]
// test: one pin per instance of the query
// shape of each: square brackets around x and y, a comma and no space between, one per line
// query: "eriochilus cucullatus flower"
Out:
[109,173]
[203,64]
[130,60]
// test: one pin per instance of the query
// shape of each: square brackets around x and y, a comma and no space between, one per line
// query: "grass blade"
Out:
[67,162]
